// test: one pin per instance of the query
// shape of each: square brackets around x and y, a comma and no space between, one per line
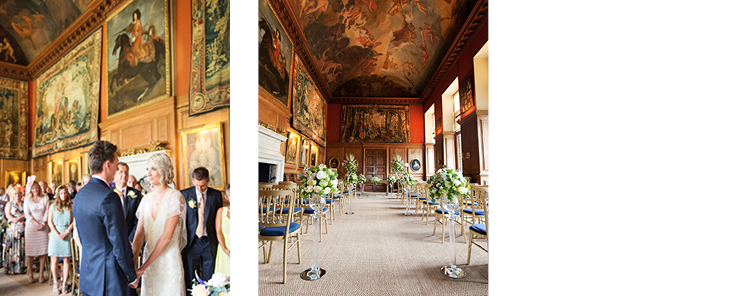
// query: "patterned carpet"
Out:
[377,251]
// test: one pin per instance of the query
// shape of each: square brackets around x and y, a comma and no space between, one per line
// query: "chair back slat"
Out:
[270,201]
[266,186]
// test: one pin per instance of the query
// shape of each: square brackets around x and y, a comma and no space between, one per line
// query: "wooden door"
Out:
[376,165]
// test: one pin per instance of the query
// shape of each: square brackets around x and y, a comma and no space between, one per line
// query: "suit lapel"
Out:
[126,190]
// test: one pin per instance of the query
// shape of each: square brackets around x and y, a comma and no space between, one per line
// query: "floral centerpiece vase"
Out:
[452,271]
[448,184]
[317,183]
[348,189]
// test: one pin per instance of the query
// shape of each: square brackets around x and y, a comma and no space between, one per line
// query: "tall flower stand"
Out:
[317,203]
[349,190]
[406,193]
[452,271]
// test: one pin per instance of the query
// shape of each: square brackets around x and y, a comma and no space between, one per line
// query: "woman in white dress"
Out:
[161,216]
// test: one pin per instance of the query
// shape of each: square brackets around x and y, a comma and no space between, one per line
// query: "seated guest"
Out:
[45,189]
[78,186]
[61,224]
[35,207]
[222,227]
[15,251]
[132,182]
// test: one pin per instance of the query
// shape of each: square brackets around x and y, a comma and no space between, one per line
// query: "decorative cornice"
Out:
[300,44]
[374,101]
[89,21]
[478,16]
[14,71]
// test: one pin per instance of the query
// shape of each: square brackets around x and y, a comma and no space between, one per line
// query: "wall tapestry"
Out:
[13,119]
[202,146]
[308,106]
[67,97]
[209,79]
[465,93]
[275,55]
[375,124]
[138,64]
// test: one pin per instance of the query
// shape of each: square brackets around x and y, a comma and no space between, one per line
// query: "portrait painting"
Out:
[304,149]
[275,55]
[15,177]
[416,165]
[209,78]
[67,96]
[138,64]
[74,173]
[56,172]
[367,48]
[313,153]
[293,143]
[28,27]
[375,124]
[13,119]
[334,162]
[202,146]
[465,93]
[307,103]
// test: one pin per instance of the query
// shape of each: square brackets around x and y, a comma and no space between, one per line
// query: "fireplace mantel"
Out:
[270,144]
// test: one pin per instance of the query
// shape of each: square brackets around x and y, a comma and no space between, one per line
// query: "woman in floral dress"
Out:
[37,232]
[15,255]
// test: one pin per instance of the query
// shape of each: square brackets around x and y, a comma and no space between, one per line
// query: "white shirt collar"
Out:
[98,177]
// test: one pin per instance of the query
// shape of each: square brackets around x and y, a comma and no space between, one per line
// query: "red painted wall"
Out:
[333,123]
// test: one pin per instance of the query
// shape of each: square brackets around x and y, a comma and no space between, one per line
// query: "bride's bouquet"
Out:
[218,285]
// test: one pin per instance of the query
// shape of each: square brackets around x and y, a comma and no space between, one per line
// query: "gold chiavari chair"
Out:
[441,216]
[480,231]
[472,211]
[277,225]
[266,186]
[298,200]
[75,268]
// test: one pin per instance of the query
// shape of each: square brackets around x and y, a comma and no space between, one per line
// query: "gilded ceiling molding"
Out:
[477,17]
[374,101]
[300,45]
[89,21]
[14,71]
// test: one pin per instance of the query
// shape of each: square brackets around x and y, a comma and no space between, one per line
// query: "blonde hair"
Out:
[162,164]
[30,190]
[12,192]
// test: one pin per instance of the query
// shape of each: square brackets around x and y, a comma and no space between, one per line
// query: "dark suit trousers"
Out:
[199,251]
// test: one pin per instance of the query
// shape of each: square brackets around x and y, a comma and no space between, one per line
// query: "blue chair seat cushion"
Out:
[337,196]
[284,210]
[264,210]
[329,200]
[439,211]
[422,198]
[412,195]
[279,230]
[345,191]
[478,228]
[311,211]
[433,203]
[470,211]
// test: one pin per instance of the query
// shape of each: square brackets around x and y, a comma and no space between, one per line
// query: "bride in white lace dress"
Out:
[161,216]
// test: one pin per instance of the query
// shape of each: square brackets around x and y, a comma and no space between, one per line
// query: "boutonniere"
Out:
[131,194]
[192,204]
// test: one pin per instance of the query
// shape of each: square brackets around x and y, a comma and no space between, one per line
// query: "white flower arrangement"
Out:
[350,164]
[361,178]
[392,178]
[318,180]
[218,285]
[397,164]
[408,179]
[350,179]
[448,183]
[375,180]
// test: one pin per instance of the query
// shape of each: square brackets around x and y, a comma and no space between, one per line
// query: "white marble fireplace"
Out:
[269,154]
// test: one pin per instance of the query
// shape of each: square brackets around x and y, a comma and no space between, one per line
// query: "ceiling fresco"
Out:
[379,48]
[27,27]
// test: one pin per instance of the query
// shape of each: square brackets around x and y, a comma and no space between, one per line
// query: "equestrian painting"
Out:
[138,63]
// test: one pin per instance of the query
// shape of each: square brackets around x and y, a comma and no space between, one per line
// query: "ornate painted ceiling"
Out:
[379,48]
[28,27]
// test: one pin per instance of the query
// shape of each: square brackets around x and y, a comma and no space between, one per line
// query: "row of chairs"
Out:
[473,212]
[281,214]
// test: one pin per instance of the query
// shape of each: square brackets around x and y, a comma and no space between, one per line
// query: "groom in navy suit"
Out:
[202,204]
[108,267]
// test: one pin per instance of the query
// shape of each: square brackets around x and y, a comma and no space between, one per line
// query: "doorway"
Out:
[376,165]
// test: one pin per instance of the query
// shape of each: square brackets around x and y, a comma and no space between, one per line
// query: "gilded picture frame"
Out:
[304,149]
[73,170]
[56,171]
[138,73]
[293,147]
[313,154]
[204,146]
[14,177]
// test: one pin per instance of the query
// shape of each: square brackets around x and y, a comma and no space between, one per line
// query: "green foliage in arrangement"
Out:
[448,183]
[318,180]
